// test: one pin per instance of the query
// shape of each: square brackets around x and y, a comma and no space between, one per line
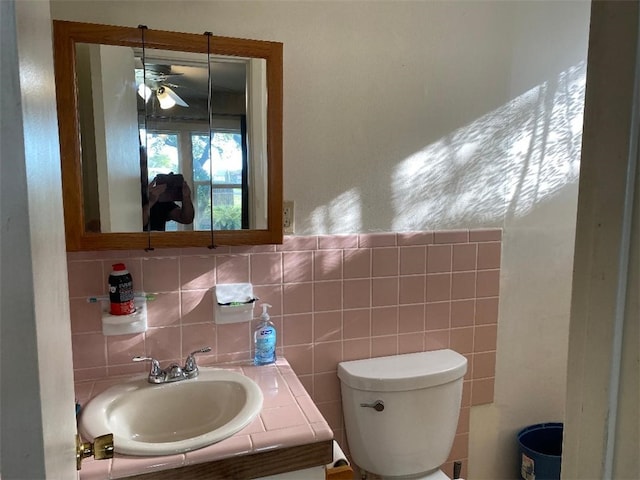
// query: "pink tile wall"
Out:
[334,297]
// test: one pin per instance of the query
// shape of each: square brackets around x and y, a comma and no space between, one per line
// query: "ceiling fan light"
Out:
[144,91]
[166,101]
[175,97]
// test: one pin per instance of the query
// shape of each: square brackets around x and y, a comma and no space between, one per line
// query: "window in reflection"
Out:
[185,151]
[163,153]
[228,182]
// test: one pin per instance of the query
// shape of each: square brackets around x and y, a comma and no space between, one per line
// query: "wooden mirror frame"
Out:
[66,35]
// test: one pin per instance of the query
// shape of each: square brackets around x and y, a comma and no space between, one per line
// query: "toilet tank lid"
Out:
[410,371]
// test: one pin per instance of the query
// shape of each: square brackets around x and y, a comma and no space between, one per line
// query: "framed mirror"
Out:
[145,112]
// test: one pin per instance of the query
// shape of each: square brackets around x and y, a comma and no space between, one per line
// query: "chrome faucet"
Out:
[173,373]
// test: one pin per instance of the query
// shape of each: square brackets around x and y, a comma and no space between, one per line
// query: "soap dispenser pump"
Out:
[264,338]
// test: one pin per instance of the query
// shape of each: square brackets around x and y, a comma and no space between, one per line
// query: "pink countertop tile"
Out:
[126,465]
[288,418]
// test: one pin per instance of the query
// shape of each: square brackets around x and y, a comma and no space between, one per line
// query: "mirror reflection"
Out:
[150,157]
[123,122]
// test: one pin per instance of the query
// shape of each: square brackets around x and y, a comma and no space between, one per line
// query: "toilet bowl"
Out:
[401,412]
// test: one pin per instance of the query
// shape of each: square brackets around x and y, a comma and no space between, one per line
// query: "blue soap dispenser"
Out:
[264,339]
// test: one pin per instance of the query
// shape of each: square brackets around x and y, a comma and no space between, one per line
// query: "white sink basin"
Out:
[169,418]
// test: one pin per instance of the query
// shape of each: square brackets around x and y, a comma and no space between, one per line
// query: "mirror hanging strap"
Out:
[143,153]
[210,115]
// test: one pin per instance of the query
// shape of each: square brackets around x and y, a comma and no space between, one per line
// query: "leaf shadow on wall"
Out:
[500,166]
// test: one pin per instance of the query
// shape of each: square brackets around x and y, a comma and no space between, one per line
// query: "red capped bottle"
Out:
[121,290]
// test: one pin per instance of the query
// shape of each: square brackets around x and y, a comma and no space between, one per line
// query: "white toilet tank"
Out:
[401,412]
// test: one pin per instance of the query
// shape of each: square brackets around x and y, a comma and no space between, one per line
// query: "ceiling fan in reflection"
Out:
[157,76]
[165,95]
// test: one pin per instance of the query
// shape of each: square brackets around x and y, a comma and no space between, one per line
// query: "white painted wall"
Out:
[257,134]
[37,428]
[118,173]
[424,115]
[539,223]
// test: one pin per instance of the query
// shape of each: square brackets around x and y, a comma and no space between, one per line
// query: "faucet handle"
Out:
[156,375]
[190,365]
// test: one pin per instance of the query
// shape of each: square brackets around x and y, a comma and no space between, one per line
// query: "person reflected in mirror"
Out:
[163,193]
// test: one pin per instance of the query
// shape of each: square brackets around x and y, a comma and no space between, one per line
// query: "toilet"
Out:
[401,412]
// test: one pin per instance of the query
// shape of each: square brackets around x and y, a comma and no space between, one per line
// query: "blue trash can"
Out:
[540,451]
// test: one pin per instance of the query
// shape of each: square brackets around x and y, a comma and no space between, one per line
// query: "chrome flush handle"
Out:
[378,405]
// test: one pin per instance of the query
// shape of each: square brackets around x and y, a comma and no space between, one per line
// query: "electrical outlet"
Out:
[287,217]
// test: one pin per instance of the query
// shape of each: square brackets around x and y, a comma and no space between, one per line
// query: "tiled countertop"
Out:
[289,418]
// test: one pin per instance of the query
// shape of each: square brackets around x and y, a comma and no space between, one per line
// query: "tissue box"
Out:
[234,303]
